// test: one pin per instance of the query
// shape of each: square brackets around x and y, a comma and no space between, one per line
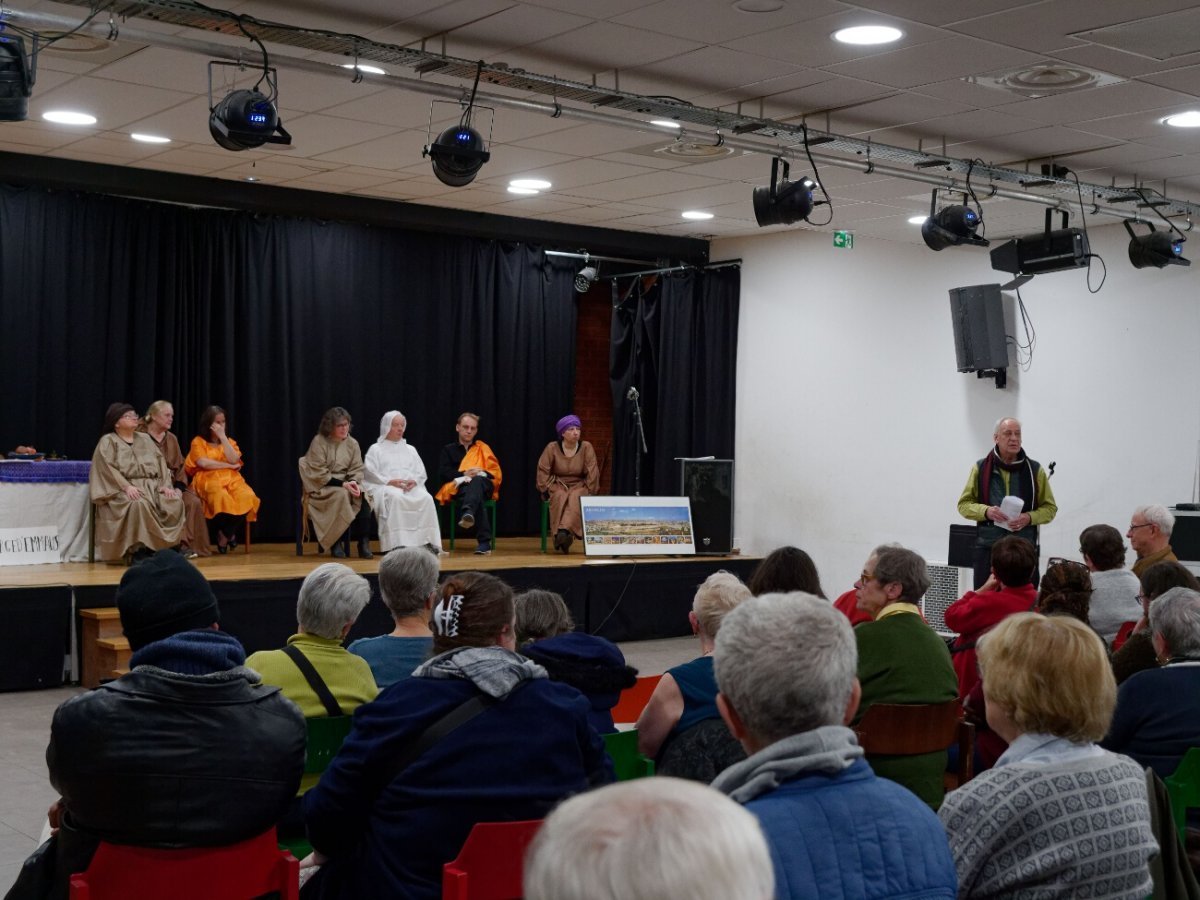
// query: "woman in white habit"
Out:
[395,482]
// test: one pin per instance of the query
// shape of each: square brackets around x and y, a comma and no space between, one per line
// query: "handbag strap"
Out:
[314,680]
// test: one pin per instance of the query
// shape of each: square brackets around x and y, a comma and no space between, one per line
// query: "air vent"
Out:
[695,152]
[946,584]
[1045,80]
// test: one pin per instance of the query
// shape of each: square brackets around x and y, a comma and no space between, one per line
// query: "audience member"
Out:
[1150,536]
[1158,710]
[595,666]
[405,789]
[833,827]
[470,475]
[1057,816]
[188,749]
[647,840]
[901,659]
[784,570]
[1066,590]
[1114,588]
[408,580]
[685,699]
[1007,590]
[1136,652]
[331,473]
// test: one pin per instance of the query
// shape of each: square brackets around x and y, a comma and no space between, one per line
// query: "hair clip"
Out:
[445,615]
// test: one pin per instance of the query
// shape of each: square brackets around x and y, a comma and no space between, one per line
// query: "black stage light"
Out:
[783,202]
[951,226]
[1049,251]
[16,78]
[246,119]
[458,154]
[1158,249]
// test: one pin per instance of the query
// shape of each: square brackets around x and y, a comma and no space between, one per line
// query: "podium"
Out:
[708,484]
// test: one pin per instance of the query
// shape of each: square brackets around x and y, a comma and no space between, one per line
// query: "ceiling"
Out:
[922,92]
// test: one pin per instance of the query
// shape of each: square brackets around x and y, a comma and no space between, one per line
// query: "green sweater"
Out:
[902,660]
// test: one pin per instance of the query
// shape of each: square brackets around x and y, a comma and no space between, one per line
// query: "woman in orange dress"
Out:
[214,464]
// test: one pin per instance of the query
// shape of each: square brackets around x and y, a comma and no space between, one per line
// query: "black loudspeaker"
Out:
[708,484]
[962,546]
[977,315]
[36,637]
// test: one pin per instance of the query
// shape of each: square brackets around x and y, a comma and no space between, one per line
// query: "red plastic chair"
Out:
[491,863]
[236,872]
[634,699]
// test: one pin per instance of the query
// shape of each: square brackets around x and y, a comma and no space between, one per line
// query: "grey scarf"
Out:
[828,749]
[493,670]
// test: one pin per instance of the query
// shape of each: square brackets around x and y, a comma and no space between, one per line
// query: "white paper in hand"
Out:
[1011,507]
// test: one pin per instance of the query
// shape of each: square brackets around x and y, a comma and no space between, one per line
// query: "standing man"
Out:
[470,474]
[1150,537]
[1005,472]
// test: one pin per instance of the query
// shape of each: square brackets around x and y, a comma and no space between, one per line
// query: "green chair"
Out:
[628,763]
[1183,787]
[325,737]
[489,509]
[545,522]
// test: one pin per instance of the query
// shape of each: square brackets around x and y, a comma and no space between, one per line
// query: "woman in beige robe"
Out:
[157,424]
[331,473]
[138,510]
[566,471]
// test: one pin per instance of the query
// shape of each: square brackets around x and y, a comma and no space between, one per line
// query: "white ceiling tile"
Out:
[317,135]
[704,71]
[114,104]
[715,21]
[937,12]
[1051,23]
[1186,80]
[643,186]
[603,47]
[934,62]
[1095,103]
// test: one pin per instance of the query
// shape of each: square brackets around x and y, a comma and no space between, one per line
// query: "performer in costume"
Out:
[331,472]
[470,473]
[566,471]
[214,462]
[157,424]
[394,478]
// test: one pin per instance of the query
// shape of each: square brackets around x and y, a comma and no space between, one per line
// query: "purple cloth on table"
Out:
[45,471]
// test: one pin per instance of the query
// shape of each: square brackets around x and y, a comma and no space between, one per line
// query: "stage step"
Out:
[113,656]
[100,624]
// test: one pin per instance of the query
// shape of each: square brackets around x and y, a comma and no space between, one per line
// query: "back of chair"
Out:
[248,869]
[1183,787]
[893,729]
[628,763]
[491,863]
[634,699]
[325,737]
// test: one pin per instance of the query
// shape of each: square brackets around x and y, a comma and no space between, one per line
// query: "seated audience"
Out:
[566,471]
[214,463]
[331,473]
[649,839]
[395,485]
[834,828]
[405,789]
[1066,590]
[1114,588]
[1008,589]
[901,660]
[595,666]
[1137,651]
[1057,816]
[1158,710]
[1150,537]
[784,570]
[157,422]
[188,749]
[684,702]
[408,580]
[138,509]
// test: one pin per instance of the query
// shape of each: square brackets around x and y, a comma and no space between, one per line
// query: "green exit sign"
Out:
[843,239]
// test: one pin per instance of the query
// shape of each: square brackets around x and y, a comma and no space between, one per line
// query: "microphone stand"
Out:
[637,462]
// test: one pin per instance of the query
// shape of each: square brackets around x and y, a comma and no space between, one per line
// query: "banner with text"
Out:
[29,546]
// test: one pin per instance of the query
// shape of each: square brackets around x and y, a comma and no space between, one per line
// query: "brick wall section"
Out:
[593,397]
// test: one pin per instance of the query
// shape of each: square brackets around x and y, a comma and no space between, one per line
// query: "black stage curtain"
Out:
[276,319]
[675,341]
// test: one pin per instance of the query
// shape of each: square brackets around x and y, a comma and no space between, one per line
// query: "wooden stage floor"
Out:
[267,562]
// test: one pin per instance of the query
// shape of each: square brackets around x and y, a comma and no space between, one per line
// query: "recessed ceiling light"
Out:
[1189,119]
[665,123]
[66,117]
[370,70]
[150,138]
[251,178]
[868,34]
[758,6]
[532,184]
[917,220]
[512,189]
[696,214]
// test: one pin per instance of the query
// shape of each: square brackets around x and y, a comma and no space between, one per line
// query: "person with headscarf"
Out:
[394,479]
[566,471]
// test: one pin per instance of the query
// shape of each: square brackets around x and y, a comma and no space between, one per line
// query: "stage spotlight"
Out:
[1158,248]
[952,226]
[458,154]
[246,118]
[583,280]
[783,202]
[17,73]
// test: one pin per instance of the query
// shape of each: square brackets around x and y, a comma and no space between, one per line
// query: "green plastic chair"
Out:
[628,763]
[489,509]
[545,522]
[325,737]
[1183,787]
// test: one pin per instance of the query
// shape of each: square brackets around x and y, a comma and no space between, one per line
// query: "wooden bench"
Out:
[104,648]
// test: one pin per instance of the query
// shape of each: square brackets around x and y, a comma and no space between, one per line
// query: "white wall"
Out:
[854,427]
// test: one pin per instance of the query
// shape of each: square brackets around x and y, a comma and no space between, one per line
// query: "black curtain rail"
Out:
[592,257]
[683,267]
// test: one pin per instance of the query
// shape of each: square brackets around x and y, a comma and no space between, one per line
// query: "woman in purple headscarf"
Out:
[566,471]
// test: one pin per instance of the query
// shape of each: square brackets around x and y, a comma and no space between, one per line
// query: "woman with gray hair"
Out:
[408,580]
[1158,710]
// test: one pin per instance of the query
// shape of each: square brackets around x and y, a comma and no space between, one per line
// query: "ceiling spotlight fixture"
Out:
[1189,119]
[783,202]
[1157,248]
[360,67]
[17,74]
[459,152]
[951,226]
[150,138]
[532,184]
[246,118]
[868,34]
[696,214]
[585,277]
